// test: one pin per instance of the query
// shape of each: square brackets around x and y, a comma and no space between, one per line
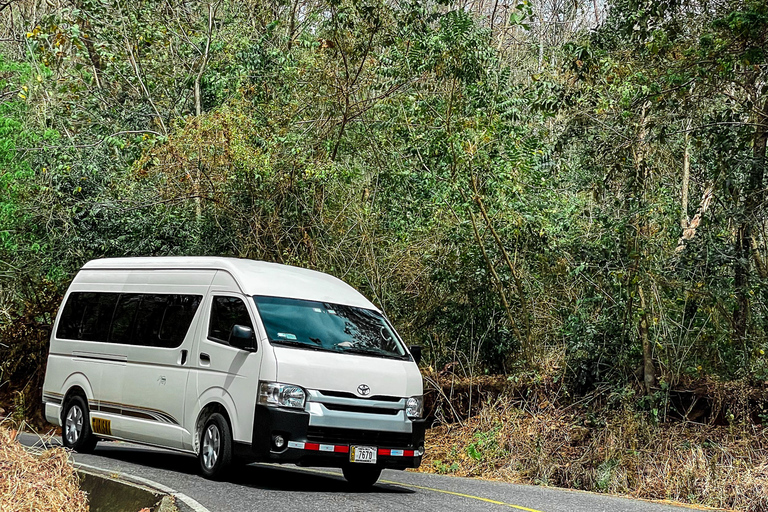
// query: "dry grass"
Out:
[39,483]
[621,453]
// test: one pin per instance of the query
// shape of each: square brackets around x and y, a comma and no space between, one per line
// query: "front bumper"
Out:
[326,446]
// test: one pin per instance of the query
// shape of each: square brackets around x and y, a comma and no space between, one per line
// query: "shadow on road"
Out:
[291,478]
[257,476]
[150,457]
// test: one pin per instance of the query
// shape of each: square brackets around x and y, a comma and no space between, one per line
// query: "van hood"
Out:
[332,371]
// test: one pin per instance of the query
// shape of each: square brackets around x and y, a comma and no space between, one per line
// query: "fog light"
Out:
[278,441]
[420,451]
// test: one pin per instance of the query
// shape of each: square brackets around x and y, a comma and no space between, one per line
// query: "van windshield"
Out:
[328,327]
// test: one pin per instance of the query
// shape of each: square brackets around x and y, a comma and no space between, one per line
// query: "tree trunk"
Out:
[292,23]
[527,341]
[684,219]
[649,372]
[753,200]
[640,182]
[204,60]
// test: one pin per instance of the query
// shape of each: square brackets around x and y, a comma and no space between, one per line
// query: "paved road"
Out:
[277,488]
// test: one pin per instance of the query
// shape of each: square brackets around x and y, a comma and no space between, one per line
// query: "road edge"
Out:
[139,481]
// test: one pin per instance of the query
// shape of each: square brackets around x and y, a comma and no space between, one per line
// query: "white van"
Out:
[233,360]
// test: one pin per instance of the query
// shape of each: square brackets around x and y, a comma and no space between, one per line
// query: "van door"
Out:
[226,374]
[158,368]
[84,332]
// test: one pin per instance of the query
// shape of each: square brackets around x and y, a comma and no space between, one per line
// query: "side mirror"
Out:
[416,352]
[242,337]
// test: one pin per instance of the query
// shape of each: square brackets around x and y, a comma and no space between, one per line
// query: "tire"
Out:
[76,432]
[361,476]
[215,455]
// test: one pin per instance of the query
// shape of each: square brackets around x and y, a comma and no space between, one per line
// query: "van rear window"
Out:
[87,316]
[155,320]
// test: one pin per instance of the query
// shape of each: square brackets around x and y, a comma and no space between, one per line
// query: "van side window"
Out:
[177,317]
[150,319]
[122,322]
[87,316]
[130,318]
[227,312]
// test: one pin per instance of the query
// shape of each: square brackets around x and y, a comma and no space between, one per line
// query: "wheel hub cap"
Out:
[211,444]
[73,425]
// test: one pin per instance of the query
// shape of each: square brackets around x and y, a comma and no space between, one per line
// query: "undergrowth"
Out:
[617,445]
[39,483]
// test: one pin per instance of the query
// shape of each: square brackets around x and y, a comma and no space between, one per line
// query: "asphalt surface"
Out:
[276,488]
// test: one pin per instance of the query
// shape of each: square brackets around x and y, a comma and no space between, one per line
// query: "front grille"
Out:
[352,436]
[344,394]
[361,409]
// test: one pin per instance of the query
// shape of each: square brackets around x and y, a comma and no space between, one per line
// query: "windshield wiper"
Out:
[295,343]
[373,352]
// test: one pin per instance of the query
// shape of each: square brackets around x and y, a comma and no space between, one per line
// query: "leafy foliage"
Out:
[504,189]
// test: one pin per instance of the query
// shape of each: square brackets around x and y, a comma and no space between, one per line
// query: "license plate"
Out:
[101,426]
[364,454]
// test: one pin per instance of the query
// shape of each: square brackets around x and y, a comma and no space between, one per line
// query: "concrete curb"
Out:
[182,500]
[106,493]
[167,499]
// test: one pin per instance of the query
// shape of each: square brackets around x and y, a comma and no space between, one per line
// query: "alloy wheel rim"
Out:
[74,424]
[211,445]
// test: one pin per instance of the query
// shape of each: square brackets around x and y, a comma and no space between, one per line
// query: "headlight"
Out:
[414,406]
[276,394]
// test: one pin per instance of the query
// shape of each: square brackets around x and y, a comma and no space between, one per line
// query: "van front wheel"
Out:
[361,476]
[76,431]
[215,447]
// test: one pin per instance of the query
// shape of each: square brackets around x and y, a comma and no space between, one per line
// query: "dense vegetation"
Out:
[569,196]
[513,183]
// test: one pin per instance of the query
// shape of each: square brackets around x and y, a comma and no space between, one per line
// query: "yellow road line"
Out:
[469,496]
[432,489]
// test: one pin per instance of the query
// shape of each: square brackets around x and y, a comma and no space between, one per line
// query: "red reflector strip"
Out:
[396,453]
[317,447]
[339,448]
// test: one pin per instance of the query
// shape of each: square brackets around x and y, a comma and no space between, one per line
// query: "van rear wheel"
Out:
[215,447]
[361,476]
[76,432]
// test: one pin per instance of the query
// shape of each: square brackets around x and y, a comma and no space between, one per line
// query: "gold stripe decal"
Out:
[130,411]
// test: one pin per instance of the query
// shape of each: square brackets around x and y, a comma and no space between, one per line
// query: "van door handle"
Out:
[183,358]
[205,359]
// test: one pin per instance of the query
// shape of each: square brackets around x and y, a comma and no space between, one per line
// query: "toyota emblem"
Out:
[363,389]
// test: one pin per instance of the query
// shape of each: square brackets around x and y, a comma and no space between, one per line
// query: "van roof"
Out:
[253,277]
